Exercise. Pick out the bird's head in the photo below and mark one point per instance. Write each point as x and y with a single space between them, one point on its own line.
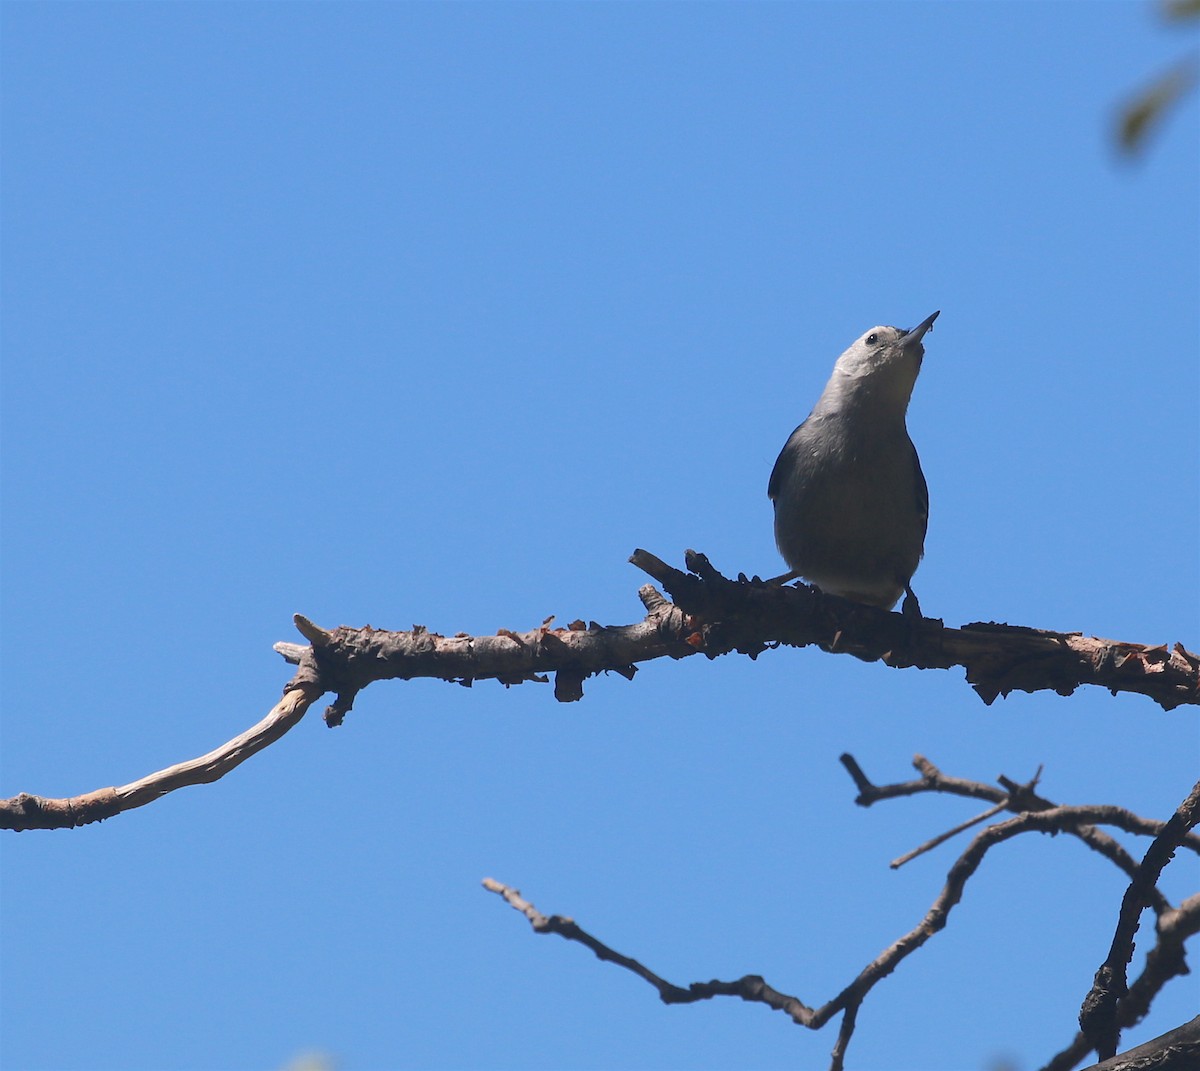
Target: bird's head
885 360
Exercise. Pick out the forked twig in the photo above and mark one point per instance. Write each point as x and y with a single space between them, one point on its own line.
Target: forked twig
1046 817
1098 1017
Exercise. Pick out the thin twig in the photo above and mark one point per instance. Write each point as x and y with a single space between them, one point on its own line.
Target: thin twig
26 811
941 838
1016 798
750 988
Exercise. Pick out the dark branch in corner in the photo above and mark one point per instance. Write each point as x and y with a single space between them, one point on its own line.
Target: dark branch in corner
1099 1016
1164 962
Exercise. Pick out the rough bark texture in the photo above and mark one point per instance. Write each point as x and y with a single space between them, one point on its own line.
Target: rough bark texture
1176 1050
711 615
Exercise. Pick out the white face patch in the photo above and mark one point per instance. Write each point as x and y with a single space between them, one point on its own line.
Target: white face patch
873 350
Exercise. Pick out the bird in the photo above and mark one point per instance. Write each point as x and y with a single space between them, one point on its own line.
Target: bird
851 502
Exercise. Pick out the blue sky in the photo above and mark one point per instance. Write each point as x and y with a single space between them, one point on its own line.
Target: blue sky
400 313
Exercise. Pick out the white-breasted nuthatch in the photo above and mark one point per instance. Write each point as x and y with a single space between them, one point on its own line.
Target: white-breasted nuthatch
851 503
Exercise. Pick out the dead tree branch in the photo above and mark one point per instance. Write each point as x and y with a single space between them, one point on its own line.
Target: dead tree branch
1176 1050
749 616
1098 1017
33 812
711 615
351 658
1165 960
751 987
1016 798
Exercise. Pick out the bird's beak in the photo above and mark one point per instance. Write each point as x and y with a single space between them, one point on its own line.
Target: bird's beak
915 335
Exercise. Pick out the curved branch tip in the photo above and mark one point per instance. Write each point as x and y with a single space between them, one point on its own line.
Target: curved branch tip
315 635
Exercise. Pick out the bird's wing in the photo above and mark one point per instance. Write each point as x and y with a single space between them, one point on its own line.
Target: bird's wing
776 473
922 489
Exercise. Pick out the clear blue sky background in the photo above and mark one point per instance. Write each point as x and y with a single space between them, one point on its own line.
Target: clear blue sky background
416 313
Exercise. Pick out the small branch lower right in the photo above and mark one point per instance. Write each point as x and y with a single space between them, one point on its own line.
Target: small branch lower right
1099 1017
1032 814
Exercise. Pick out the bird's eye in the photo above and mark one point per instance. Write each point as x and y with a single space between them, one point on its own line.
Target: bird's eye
872 338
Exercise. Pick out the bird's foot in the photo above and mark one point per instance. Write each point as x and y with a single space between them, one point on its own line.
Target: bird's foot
911 608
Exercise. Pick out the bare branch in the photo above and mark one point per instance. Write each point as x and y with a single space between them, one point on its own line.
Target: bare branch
712 615
849 1021
1176 1050
1018 798
941 838
1098 1016
349 659
1015 797
750 988
1164 961
750 615
33 812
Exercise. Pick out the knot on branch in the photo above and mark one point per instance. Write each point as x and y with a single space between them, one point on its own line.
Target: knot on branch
345 660
750 615
338 661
